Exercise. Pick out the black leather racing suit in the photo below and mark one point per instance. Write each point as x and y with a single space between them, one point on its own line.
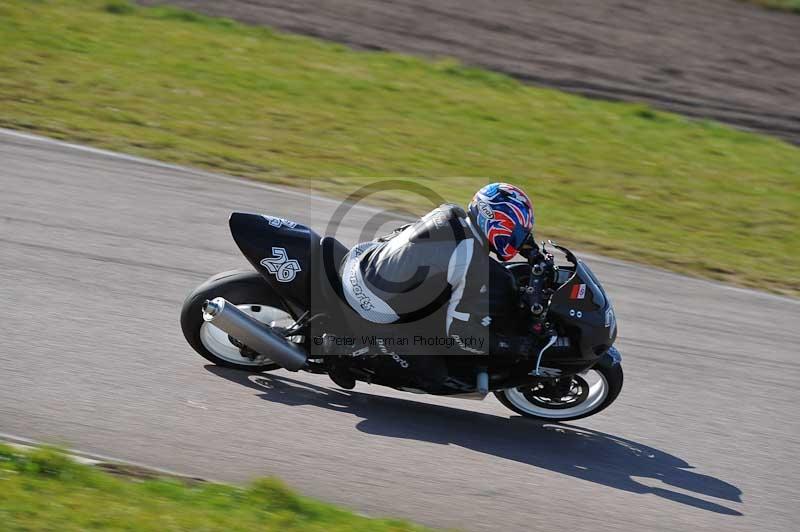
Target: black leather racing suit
435 288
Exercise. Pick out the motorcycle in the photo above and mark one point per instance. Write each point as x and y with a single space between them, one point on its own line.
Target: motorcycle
289 312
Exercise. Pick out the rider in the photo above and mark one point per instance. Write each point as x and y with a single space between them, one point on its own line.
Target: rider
434 285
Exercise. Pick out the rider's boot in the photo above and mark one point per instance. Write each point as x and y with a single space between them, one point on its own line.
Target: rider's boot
339 372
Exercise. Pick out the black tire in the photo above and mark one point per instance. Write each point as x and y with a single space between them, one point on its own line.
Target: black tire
237 286
614 377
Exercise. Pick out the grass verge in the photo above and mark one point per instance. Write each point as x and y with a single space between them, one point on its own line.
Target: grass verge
620 179
792 6
45 490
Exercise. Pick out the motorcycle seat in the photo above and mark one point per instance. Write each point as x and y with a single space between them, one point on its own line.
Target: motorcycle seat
332 253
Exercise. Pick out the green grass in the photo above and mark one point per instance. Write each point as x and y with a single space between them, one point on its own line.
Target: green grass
780 5
620 179
45 490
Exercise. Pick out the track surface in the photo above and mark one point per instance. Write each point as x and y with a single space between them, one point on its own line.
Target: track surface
97 253
721 59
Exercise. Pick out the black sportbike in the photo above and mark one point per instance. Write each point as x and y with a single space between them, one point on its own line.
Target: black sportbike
290 313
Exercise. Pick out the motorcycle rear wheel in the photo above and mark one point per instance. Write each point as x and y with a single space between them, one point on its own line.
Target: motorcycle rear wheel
249 292
589 393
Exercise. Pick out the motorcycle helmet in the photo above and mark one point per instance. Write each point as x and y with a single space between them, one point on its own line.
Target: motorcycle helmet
503 214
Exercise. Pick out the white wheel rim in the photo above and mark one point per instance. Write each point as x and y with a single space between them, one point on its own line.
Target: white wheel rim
598 391
216 340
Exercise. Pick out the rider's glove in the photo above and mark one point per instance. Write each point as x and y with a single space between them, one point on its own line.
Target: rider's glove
529 248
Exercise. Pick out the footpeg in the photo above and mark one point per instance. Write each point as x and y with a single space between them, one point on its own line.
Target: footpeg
482 383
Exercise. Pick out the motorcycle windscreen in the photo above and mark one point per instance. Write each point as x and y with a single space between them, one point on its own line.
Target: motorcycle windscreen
581 305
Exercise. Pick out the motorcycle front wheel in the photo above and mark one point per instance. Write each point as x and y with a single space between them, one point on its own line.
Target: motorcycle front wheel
586 394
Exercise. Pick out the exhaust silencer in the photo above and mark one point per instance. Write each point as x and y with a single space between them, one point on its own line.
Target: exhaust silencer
254 334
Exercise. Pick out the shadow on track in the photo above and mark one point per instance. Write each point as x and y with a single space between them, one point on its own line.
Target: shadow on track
567 449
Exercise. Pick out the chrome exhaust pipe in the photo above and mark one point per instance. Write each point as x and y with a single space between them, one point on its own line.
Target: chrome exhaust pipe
254 334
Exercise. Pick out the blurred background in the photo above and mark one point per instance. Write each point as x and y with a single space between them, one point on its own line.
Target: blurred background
659 138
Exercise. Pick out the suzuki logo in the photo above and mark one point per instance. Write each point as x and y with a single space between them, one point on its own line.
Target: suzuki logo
283 268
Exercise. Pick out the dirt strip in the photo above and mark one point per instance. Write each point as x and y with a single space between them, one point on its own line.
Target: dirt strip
721 59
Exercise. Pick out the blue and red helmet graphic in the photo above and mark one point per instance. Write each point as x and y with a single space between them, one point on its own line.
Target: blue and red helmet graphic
504 214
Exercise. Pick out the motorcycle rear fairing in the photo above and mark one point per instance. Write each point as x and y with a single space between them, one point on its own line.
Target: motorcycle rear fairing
271 243
282 251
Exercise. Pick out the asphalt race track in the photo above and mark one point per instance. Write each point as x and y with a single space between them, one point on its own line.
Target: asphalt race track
97 253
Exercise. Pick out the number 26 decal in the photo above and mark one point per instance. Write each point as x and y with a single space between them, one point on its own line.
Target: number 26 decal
283 268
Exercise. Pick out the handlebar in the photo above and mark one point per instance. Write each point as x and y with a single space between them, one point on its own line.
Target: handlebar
536 296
